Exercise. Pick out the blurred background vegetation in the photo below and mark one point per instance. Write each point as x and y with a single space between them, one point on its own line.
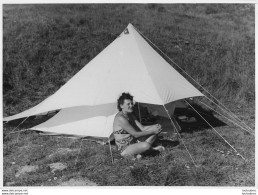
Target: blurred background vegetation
44 45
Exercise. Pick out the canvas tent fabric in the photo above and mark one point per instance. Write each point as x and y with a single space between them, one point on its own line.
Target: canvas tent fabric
128 64
92 121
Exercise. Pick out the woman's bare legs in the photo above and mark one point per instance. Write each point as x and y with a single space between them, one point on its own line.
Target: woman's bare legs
140 147
151 139
135 149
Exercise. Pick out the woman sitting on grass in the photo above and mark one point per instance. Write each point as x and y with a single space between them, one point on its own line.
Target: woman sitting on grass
125 130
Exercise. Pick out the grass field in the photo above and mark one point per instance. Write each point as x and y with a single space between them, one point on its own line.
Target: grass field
45 45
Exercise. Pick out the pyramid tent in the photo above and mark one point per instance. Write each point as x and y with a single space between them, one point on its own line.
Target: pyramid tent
88 100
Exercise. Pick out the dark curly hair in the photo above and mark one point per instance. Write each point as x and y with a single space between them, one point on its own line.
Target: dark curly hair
124 96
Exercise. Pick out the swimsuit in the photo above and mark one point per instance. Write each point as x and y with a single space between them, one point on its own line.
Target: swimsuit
123 139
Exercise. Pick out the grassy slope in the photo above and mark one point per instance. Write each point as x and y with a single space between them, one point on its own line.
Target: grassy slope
45 45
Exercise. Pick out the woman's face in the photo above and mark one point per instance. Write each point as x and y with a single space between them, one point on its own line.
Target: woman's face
127 106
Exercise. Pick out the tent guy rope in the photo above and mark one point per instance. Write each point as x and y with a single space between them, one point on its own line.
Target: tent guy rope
237 153
139 112
252 133
18 136
180 136
231 115
20 124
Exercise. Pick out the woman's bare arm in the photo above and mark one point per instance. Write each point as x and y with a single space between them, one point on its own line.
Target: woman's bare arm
147 128
128 127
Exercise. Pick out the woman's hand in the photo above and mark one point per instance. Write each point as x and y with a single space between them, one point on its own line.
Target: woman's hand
157 128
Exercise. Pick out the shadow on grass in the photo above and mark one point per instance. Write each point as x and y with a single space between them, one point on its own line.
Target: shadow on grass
167 143
197 123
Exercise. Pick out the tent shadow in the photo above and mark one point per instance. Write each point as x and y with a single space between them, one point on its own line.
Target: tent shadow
30 121
194 121
150 153
167 143
187 119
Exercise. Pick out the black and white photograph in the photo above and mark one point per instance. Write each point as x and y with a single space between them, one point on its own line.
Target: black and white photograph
128 94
